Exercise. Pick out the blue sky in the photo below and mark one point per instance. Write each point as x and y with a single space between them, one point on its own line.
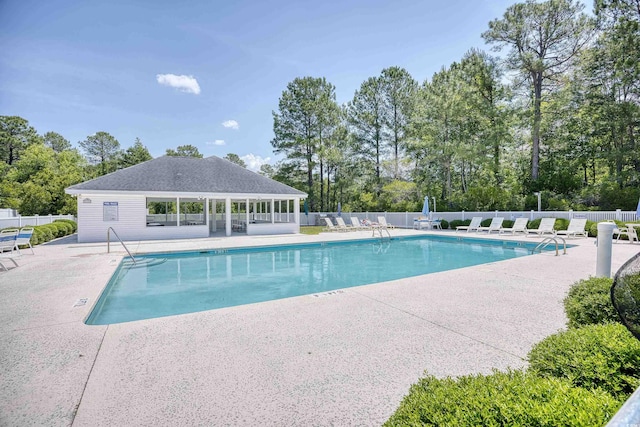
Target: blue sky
210 73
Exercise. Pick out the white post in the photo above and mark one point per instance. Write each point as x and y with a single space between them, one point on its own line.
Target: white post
296 213
178 211
605 241
273 215
247 216
227 216
618 215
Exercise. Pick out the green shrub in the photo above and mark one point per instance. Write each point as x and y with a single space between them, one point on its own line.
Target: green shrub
533 225
486 222
60 229
503 399
73 224
589 302
444 224
589 226
561 224
68 229
507 223
594 356
37 237
45 231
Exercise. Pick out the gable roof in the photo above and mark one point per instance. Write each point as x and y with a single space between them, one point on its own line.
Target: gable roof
186 175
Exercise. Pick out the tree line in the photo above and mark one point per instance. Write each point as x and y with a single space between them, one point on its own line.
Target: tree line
557 111
35 169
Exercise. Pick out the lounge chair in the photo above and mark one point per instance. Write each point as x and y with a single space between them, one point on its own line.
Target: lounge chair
24 239
355 223
421 222
628 231
519 226
496 225
7 243
382 221
475 224
576 227
545 227
330 226
342 225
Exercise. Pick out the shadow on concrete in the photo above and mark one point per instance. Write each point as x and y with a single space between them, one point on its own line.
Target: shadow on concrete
66 240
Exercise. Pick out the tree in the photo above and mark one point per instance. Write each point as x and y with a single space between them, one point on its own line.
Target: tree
305 117
135 154
399 94
15 136
184 151
103 150
267 170
234 158
56 142
544 40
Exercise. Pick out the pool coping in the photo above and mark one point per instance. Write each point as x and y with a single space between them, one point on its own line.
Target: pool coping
346 358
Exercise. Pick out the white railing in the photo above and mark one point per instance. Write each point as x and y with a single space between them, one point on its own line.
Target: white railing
405 219
21 221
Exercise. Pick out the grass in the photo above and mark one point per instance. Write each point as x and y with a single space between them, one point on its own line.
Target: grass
311 229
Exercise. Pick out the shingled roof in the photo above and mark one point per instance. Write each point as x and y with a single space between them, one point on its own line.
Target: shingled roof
186 175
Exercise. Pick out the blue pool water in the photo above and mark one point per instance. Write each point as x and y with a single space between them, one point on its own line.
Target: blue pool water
177 283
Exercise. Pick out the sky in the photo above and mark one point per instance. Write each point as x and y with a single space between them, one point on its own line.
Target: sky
210 73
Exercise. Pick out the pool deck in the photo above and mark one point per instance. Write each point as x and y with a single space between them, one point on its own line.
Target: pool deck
341 358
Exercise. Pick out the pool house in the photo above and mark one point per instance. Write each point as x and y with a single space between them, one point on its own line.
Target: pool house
182 198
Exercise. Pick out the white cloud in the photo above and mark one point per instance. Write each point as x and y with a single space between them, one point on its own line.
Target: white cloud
184 83
254 162
231 124
217 142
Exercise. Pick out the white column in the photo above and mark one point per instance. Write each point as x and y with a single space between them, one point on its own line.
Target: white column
273 216
206 211
214 207
296 213
603 256
247 216
288 201
178 211
227 216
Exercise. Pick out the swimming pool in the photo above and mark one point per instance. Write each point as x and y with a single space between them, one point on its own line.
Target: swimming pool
176 283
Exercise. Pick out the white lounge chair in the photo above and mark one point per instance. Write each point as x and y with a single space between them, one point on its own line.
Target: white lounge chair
496 225
342 225
628 231
24 239
519 226
473 226
7 243
382 222
355 223
330 226
576 227
545 227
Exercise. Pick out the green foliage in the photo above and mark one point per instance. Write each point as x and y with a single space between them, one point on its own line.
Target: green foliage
73 224
458 222
56 142
399 196
502 399
234 158
135 154
593 356
589 302
444 224
184 151
103 150
15 136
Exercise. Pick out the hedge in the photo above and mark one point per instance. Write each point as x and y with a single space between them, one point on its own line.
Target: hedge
513 398
589 302
46 232
594 356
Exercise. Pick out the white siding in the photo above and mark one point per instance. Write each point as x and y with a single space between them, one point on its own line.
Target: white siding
277 228
131 223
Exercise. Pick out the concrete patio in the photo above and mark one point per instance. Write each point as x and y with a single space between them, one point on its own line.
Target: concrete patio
341 358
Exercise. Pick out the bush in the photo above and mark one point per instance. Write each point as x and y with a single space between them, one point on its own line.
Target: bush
533 225
55 230
594 356
37 237
561 224
45 231
68 229
503 399
486 222
444 224
589 302
73 224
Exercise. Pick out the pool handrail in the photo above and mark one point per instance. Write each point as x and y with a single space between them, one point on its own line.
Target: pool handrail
109 230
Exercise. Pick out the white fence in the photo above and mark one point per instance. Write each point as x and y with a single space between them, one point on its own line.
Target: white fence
21 221
405 219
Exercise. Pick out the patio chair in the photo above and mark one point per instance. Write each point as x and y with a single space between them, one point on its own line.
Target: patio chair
628 231
7 243
382 221
519 226
355 223
340 224
330 226
473 226
24 239
496 225
576 227
545 227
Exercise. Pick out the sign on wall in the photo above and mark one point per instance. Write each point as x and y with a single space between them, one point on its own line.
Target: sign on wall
109 211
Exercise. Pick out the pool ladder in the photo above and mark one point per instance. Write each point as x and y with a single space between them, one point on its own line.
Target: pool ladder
546 242
379 230
109 230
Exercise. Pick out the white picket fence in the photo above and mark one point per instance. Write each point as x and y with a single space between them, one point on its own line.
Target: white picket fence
405 219
21 221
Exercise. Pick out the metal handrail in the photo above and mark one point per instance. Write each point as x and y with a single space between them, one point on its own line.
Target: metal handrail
548 240
109 230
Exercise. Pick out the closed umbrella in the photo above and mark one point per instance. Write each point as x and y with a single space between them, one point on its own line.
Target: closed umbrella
339 209
638 210
425 207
